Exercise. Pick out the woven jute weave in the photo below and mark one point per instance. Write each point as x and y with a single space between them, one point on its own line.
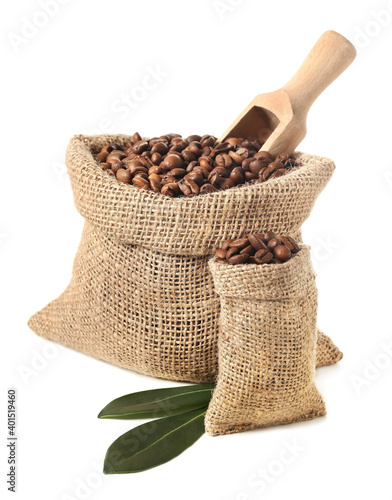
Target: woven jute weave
267 346
141 294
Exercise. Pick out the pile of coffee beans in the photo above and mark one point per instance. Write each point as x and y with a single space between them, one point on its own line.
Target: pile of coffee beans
258 248
174 166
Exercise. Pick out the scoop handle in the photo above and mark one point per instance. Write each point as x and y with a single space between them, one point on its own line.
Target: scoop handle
329 57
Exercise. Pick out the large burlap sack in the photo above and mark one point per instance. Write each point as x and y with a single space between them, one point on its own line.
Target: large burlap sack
267 346
141 295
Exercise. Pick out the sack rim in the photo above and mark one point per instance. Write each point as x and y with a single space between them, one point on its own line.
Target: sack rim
172 225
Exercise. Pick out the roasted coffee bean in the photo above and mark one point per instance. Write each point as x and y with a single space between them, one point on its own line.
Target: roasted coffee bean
224 160
123 175
221 254
276 261
236 157
195 176
177 172
184 188
263 256
192 185
256 242
268 235
171 189
160 148
110 172
168 179
235 141
223 147
107 149
256 165
282 253
156 158
244 153
282 158
232 251
105 166
154 176
139 147
135 163
237 175
191 166
141 182
118 154
208 151
188 155
115 145
195 147
156 169
146 161
178 146
156 140
101 157
193 138
215 179
290 243
269 171
226 184
246 144
249 176
206 162
207 188
115 164
173 161
204 171
142 175
226 244
249 250
241 258
207 140
130 157
174 152
137 170
264 154
239 243
273 242
156 185
136 137
221 171
245 164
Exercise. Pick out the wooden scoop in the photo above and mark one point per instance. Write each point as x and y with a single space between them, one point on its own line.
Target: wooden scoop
279 118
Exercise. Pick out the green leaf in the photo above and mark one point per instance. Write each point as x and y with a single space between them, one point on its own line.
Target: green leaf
159 402
154 443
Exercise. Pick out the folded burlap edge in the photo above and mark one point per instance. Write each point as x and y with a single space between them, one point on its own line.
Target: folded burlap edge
279 281
173 225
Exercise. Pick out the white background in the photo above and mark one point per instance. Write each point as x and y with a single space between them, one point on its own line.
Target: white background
69 77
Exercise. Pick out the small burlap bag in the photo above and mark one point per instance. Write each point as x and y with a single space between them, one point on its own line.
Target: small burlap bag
267 346
141 295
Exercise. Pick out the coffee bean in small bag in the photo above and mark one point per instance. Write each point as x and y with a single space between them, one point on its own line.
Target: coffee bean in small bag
266 345
257 248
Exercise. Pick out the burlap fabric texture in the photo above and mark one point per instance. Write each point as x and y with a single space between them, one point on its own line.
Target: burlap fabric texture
141 294
267 346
